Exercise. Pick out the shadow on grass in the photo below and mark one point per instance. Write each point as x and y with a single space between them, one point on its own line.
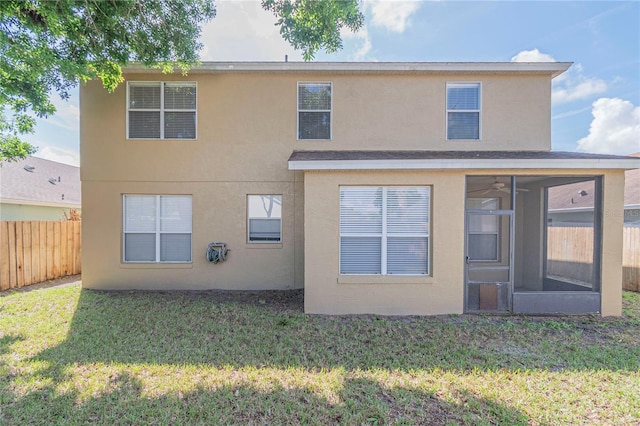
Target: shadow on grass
115 340
176 328
359 402
6 341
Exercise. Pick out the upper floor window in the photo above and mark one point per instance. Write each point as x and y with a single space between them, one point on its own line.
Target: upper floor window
161 110
463 111
314 110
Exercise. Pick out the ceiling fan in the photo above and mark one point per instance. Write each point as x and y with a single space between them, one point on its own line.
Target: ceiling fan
497 186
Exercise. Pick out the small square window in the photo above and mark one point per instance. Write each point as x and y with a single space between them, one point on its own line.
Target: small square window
264 218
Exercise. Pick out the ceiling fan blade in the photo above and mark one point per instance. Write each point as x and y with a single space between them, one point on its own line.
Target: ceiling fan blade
522 190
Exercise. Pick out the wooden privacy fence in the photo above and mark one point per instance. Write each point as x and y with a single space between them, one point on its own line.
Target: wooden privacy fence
631 259
570 254
32 252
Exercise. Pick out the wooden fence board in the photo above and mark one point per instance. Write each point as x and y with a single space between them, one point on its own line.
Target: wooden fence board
19 255
63 251
631 259
56 249
50 253
43 251
35 251
26 249
77 241
4 256
69 254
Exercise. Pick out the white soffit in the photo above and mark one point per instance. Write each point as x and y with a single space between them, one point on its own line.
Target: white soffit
439 164
552 68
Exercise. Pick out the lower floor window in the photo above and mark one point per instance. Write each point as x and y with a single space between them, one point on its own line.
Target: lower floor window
384 230
157 228
264 214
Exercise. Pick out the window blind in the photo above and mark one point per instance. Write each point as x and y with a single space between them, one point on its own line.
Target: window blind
161 110
264 214
314 110
157 228
384 230
463 111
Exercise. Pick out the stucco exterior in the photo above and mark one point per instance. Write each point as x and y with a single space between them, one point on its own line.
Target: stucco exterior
246 130
442 291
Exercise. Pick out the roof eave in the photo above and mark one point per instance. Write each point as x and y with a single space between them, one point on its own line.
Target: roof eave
453 164
550 68
40 203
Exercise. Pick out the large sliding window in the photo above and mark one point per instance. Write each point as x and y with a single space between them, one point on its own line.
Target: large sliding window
161 110
384 230
157 228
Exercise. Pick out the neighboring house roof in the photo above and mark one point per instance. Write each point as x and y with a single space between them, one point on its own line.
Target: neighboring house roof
632 186
40 182
549 68
579 196
372 160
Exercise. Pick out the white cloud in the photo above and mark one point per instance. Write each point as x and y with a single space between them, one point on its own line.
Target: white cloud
243 31
615 128
532 56
570 86
60 155
391 14
67 114
576 86
362 50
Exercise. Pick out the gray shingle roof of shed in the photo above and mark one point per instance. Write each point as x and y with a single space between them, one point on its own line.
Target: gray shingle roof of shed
18 183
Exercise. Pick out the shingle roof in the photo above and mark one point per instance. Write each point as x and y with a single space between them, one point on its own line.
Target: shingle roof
568 196
39 181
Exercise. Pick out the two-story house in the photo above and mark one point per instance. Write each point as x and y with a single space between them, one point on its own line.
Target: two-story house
390 188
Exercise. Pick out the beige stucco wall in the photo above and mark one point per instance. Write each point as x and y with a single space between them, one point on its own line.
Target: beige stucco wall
219 214
327 292
249 119
246 132
612 234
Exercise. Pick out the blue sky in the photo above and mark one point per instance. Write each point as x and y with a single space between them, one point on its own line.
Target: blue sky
596 104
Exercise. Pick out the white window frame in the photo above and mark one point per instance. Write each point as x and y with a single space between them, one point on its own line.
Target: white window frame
162 109
157 231
249 217
497 233
298 110
479 110
384 234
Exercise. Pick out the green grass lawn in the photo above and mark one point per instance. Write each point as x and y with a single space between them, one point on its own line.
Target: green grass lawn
69 356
